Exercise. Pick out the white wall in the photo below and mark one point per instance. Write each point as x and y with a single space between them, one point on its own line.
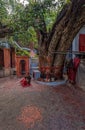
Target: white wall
75 43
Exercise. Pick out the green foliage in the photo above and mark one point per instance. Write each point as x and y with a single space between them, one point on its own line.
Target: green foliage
67 1
27 20
3 12
22 53
6 7
38 15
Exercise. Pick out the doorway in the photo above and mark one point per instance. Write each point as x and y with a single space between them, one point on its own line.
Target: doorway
22 67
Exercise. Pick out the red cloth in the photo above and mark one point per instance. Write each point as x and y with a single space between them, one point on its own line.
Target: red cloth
24 83
72 71
76 63
71 75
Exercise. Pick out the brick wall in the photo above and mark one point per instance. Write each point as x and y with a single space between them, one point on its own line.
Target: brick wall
6 58
6 61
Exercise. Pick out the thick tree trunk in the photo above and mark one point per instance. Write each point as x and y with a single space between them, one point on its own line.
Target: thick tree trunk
69 32
69 22
42 38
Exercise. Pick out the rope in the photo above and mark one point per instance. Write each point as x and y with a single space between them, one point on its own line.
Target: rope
54 67
70 52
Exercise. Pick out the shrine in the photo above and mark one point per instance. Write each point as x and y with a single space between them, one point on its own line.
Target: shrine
22 65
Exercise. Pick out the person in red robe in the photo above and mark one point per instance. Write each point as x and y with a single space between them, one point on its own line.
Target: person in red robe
26 81
72 70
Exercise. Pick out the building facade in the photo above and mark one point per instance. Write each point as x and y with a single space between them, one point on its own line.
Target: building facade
79 46
79 41
7 59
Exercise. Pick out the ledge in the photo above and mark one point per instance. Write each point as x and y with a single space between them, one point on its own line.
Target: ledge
55 83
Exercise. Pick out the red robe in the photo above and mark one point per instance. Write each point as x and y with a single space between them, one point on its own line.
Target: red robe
72 71
24 83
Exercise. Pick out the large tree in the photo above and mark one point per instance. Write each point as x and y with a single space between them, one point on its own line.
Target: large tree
66 26
58 37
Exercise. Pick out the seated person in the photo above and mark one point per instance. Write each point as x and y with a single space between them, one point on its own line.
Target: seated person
24 82
28 78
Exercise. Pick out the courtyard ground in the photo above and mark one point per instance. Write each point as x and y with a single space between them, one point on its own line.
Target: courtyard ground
40 107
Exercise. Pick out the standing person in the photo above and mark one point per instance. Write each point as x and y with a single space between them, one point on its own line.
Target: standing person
76 65
72 69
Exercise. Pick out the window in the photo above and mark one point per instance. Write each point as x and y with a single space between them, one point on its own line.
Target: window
82 42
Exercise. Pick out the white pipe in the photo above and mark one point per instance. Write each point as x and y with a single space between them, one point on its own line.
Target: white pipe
23 48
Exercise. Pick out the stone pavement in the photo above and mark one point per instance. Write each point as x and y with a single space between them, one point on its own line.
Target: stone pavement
40 107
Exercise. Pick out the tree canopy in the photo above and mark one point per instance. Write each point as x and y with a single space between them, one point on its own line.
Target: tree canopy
52 24
26 20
